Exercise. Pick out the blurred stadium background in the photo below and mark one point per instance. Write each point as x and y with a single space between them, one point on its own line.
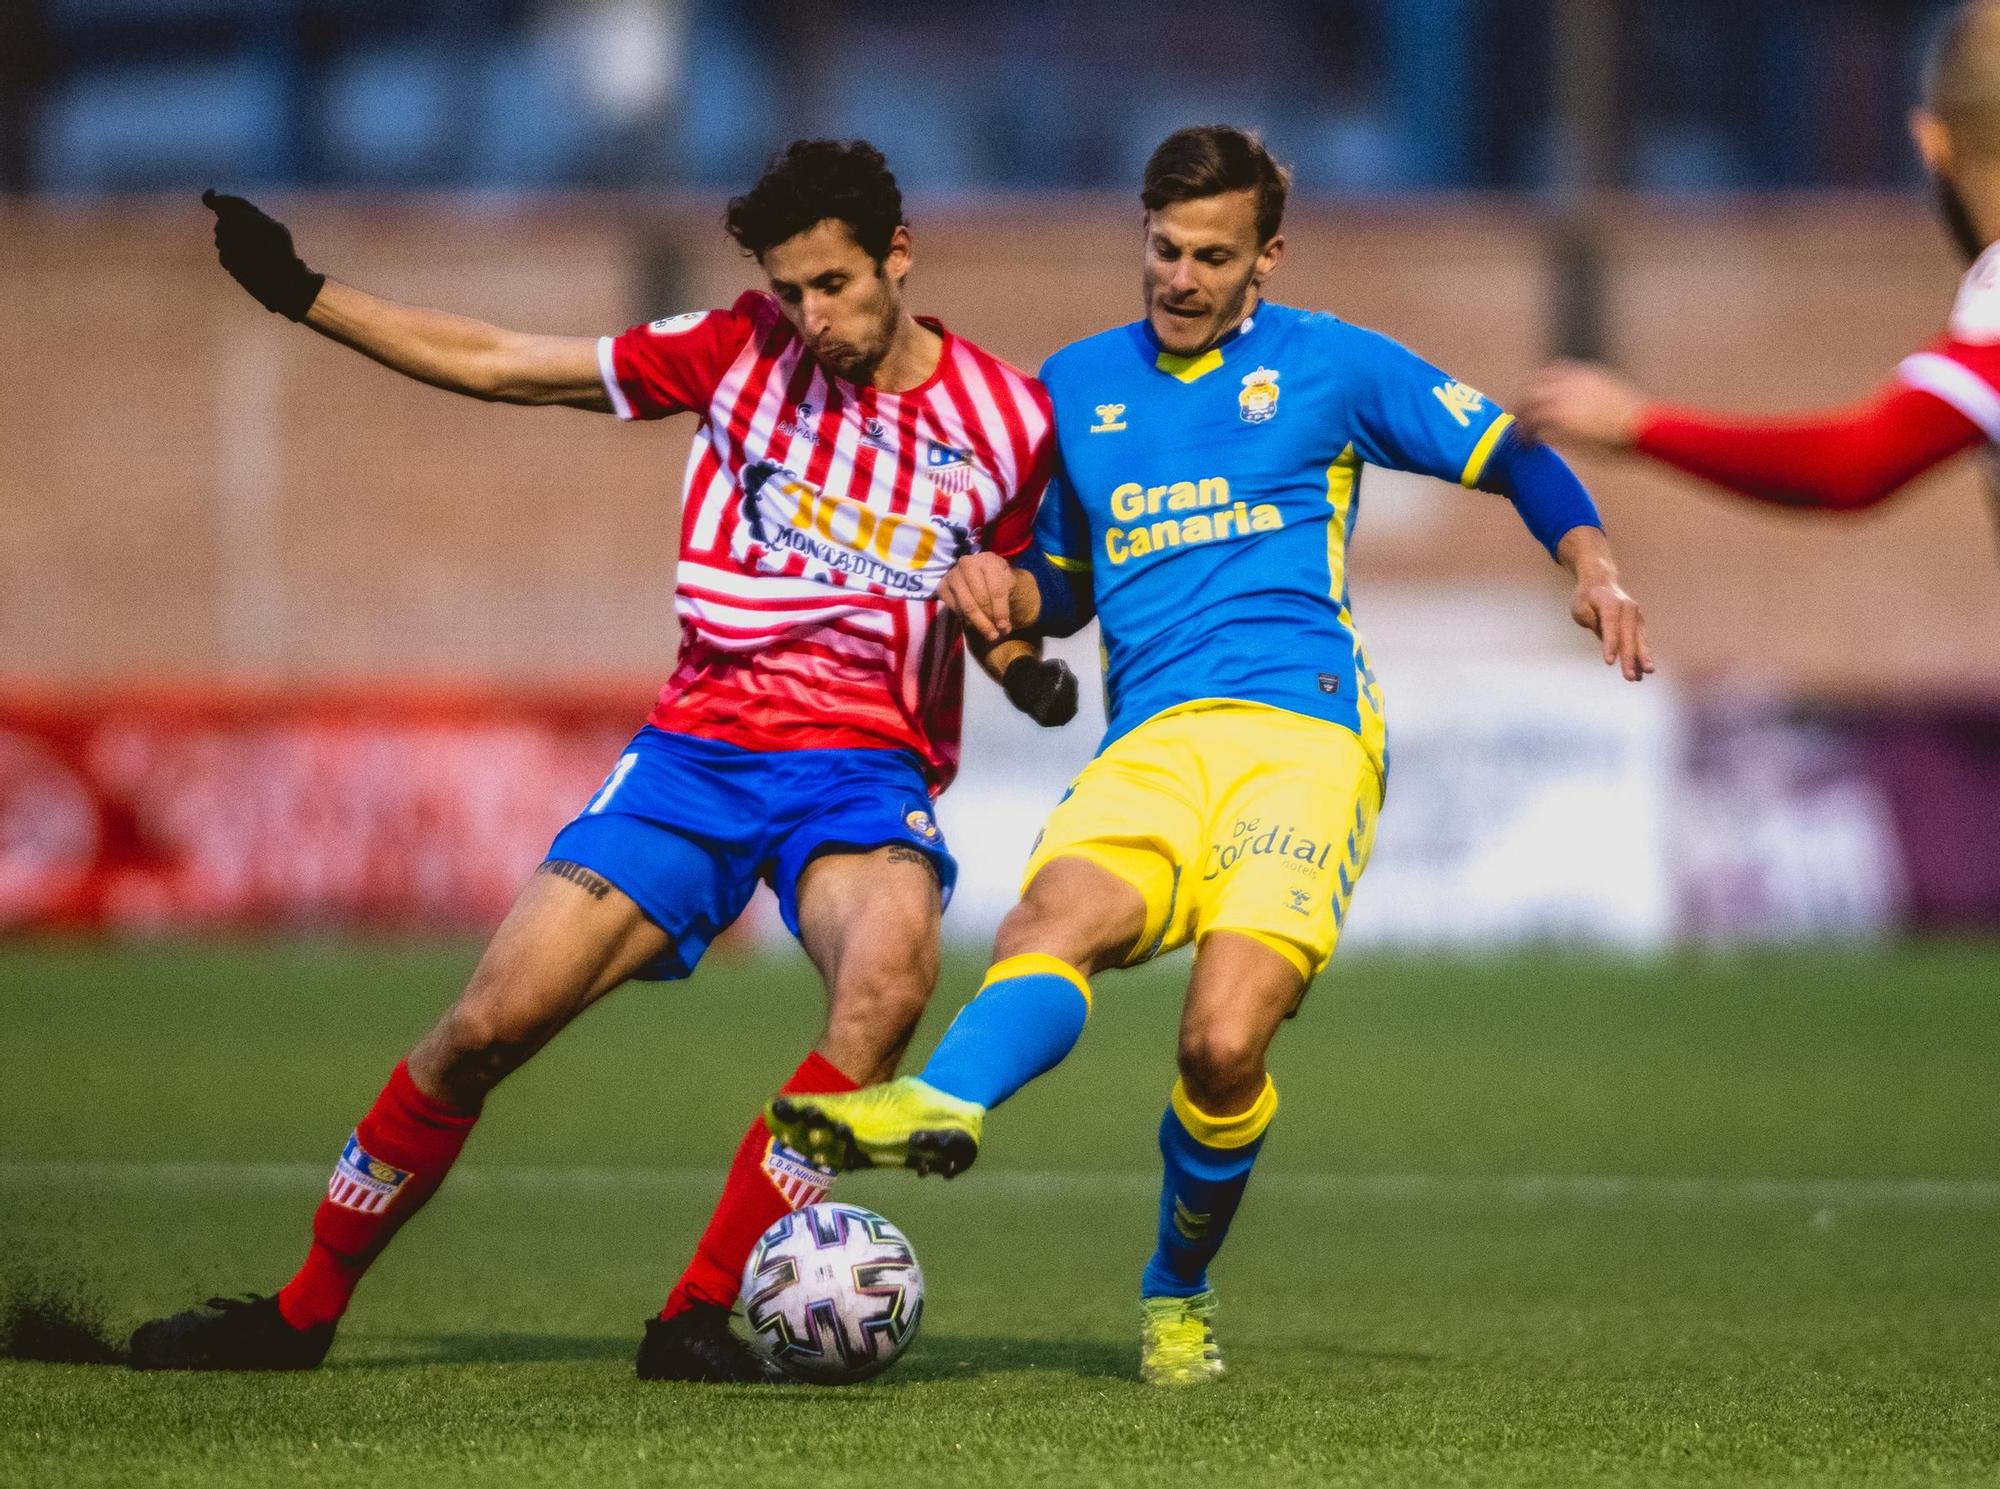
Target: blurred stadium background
288 642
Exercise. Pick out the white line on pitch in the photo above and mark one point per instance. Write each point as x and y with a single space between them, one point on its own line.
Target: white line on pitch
1556 1190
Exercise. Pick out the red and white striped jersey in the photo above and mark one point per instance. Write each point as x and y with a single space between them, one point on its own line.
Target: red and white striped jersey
818 519
1962 367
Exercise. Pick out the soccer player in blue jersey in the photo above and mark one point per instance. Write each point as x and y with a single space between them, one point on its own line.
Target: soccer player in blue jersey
1211 458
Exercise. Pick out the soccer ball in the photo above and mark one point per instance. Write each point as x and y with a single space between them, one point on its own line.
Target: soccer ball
832 1293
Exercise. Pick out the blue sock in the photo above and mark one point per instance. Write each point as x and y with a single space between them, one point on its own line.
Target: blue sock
1208 1161
1027 1016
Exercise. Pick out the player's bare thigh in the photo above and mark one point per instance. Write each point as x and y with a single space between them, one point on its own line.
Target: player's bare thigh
869 921
1078 912
570 938
1239 995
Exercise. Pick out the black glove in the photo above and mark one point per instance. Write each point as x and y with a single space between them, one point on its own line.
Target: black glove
1042 688
257 252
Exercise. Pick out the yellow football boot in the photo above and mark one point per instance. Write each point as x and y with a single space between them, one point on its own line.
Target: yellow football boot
1177 1341
901 1122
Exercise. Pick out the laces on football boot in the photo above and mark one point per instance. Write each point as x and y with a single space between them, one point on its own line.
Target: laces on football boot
1177 1341
903 1123
229 1334
697 1344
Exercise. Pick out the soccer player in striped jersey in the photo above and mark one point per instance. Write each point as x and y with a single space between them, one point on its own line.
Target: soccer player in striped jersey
849 454
1211 458
1943 400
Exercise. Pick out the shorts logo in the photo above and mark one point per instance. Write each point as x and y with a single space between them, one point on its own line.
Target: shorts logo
678 325
1251 839
1329 683
1299 902
1258 402
795 1176
1110 418
919 822
363 1182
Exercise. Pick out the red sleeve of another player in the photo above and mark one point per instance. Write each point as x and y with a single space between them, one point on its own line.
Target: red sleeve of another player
1839 461
671 365
1009 533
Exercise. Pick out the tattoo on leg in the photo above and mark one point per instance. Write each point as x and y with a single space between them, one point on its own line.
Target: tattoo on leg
899 854
595 885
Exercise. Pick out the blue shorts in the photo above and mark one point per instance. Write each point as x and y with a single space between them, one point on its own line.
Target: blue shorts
687 827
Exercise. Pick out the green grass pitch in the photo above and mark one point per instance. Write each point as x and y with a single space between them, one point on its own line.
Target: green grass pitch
1537 1221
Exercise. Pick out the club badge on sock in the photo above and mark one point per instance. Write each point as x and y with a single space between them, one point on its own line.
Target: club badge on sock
363 1182
795 1176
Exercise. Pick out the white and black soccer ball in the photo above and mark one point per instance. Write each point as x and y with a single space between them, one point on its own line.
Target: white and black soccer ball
833 1294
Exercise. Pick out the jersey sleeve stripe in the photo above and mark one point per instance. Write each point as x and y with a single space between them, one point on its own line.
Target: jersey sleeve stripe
1066 564
607 369
1475 467
1956 384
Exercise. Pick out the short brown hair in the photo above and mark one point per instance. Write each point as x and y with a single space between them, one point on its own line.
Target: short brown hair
1209 159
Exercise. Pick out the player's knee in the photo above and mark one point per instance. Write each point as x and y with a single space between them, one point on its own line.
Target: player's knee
475 1046
872 1015
1052 928
1221 1062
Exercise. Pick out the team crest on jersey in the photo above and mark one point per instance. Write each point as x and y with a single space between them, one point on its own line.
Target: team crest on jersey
949 470
844 542
919 822
677 325
1258 402
1110 418
363 1182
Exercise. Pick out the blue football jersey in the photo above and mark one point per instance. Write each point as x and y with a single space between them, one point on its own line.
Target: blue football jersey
1212 499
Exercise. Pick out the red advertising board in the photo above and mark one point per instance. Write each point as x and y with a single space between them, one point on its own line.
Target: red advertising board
390 809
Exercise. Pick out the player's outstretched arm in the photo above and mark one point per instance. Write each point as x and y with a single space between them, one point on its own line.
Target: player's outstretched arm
447 351
1841 460
1600 604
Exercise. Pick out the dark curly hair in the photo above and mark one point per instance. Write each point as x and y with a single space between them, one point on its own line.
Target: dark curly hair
810 181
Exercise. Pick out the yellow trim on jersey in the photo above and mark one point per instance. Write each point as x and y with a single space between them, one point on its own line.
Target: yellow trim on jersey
1035 964
1066 564
1189 369
1341 477
1483 451
1238 1131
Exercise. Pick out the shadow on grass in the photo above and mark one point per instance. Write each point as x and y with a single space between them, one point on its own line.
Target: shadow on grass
937 1357
966 1356
400 1353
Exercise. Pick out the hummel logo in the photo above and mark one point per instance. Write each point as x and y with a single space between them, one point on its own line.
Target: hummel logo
1299 901
1110 418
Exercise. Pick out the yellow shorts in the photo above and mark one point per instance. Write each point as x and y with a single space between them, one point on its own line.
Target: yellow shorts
1227 816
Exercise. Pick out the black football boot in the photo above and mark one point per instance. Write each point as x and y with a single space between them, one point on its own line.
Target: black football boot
698 1344
229 1334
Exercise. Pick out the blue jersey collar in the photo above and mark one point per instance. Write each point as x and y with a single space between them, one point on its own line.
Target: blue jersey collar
1190 369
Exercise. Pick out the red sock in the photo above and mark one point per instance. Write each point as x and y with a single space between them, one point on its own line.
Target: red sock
766 1182
394 1161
